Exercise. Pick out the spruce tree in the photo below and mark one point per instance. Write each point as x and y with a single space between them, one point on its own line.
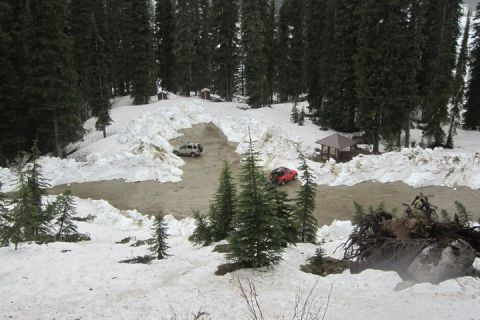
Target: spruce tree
283 53
471 117
301 117
294 115
51 89
164 36
139 41
284 211
256 238
305 205
159 246
225 58
64 210
203 232
459 85
12 112
223 206
339 35
253 27
438 61
184 45
201 67
313 46
271 49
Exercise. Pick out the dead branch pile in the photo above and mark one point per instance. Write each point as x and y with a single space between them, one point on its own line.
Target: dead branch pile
381 242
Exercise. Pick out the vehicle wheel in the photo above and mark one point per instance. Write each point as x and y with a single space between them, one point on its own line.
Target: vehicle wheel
282 183
175 153
295 177
193 154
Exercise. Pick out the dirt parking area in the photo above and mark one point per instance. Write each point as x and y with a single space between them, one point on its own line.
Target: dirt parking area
200 181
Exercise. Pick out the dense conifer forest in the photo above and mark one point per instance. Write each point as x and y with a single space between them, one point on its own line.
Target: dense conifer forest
375 67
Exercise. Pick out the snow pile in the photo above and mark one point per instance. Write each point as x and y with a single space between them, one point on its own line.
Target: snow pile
84 280
139 151
416 167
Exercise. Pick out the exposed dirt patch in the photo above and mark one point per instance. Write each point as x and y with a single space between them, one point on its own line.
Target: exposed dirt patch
200 180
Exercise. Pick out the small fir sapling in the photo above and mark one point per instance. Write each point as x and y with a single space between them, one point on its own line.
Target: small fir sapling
301 117
294 116
202 234
159 246
64 210
305 205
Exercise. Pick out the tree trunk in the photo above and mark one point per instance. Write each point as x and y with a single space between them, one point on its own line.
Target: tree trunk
407 133
376 143
58 148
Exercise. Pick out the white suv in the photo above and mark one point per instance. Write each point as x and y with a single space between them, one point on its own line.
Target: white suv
192 149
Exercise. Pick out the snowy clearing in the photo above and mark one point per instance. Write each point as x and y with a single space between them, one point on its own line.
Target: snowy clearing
85 280
137 148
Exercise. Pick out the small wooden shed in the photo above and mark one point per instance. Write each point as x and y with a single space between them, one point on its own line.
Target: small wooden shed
205 94
337 142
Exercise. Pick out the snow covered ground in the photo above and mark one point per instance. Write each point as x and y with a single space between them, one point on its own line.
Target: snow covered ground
137 148
85 280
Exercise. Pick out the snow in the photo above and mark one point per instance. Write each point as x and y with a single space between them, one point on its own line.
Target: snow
137 148
84 280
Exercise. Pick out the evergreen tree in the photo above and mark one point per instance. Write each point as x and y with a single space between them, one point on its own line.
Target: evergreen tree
12 112
184 45
284 211
165 30
385 70
140 52
313 46
51 82
253 26
225 58
305 205
201 67
459 85
64 210
292 43
294 115
222 209
159 246
301 117
471 117
256 238
270 49
438 61
338 70
203 232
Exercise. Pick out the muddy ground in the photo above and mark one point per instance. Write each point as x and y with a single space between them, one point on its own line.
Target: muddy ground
201 176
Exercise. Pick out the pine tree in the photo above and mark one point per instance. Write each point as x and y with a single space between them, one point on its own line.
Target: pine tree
64 210
12 112
471 117
253 27
159 246
203 231
256 238
284 211
165 30
139 41
294 115
184 45
313 46
301 117
459 85
222 209
4 238
51 83
384 70
340 32
201 67
271 50
283 53
305 205
225 58
438 61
